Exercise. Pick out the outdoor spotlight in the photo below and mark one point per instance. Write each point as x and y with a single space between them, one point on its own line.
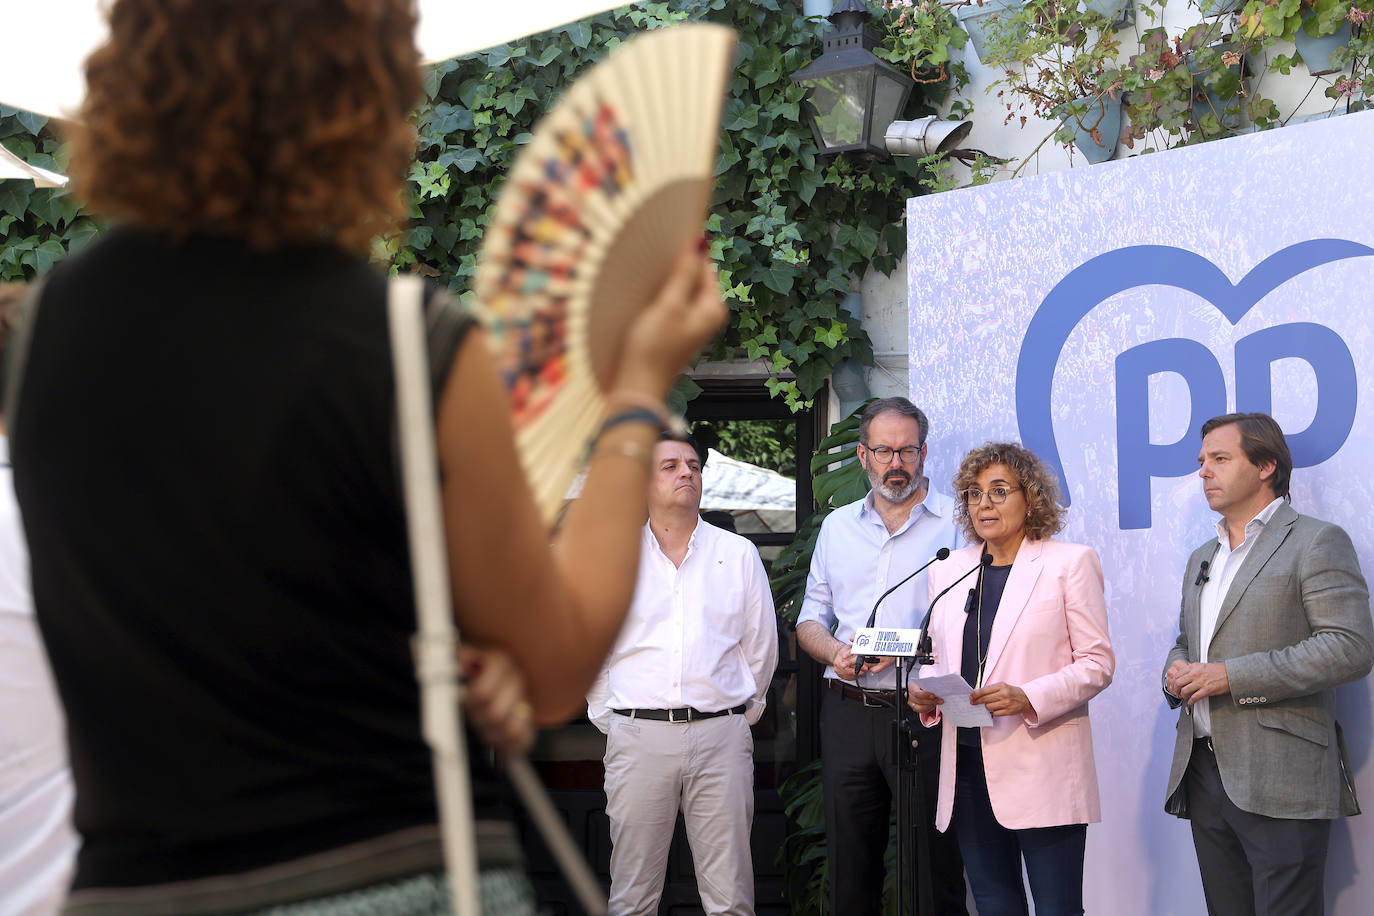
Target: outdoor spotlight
925 136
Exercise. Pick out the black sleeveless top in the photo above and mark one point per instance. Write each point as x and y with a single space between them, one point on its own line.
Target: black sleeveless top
204 457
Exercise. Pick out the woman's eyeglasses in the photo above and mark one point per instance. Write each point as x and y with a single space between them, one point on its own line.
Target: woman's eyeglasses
998 495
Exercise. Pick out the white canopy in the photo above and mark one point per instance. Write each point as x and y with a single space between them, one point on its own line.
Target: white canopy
732 485
41 69
11 166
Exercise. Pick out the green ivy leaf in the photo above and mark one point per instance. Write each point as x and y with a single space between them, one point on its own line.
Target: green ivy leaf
579 33
831 337
46 255
14 197
811 375
32 122
683 390
464 160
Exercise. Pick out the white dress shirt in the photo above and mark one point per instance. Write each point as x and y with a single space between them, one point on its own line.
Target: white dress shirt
37 841
856 560
702 634
1220 574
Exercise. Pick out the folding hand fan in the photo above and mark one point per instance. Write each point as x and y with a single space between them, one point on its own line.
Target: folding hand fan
615 181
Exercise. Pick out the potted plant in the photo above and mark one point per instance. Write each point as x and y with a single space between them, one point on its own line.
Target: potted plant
1213 8
1218 92
1094 123
1357 89
1318 28
919 35
978 18
1118 13
1192 87
1059 64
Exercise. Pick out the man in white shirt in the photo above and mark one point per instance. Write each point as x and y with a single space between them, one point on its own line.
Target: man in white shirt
864 549
1275 615
687 677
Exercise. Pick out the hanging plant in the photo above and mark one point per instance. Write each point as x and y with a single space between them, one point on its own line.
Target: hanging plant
1059 64
919 35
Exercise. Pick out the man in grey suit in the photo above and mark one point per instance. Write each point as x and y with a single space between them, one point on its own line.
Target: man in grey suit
1275 615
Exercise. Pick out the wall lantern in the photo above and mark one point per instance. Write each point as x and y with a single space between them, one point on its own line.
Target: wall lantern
853 98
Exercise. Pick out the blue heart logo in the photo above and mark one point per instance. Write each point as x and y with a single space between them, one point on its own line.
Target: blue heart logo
1096 280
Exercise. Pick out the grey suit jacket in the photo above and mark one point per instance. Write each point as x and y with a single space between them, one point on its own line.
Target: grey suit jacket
1294 625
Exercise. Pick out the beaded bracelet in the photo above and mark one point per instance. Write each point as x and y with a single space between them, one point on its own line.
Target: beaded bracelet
667 422
633 415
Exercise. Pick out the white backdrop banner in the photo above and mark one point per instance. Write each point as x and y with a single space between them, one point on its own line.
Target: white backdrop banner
1100 315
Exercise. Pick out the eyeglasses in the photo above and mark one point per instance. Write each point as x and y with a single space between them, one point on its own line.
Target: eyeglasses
884 453
998 495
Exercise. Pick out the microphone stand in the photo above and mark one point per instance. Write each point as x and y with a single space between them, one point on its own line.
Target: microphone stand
904 759
909 763
911 805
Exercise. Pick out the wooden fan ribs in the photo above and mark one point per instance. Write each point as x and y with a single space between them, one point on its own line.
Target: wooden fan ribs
615 181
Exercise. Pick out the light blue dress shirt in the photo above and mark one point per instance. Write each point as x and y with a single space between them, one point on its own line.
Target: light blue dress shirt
856 560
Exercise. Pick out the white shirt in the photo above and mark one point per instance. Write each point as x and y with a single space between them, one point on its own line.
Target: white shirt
702 634
856 560
1220 574
37 841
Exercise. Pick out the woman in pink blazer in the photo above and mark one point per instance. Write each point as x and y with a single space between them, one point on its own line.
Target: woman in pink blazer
1030 635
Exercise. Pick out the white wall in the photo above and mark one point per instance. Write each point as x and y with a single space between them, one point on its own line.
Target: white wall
885 298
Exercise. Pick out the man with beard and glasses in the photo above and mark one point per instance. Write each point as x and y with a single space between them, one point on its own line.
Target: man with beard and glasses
864 549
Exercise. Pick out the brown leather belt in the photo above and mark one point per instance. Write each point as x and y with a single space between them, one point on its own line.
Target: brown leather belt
870 698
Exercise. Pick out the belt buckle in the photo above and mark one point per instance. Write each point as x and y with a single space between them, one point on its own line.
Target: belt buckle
871 702
685 718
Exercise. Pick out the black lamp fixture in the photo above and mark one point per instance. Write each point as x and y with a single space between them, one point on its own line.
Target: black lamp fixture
853 98
852 95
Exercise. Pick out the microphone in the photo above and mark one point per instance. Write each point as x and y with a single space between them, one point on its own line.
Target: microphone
1202 573
924 654
861 661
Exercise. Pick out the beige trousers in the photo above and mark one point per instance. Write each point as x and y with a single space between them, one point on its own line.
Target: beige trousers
704 768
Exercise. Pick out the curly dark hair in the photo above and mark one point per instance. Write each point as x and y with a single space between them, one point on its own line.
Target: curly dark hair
273 120
1044 515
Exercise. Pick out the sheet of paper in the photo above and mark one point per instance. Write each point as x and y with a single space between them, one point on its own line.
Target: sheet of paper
956 709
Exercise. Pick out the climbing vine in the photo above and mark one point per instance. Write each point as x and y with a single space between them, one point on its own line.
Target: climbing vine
790 229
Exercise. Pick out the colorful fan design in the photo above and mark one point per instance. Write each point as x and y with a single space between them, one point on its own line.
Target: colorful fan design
615 181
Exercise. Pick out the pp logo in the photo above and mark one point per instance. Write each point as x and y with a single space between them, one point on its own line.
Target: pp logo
1138 460
862 642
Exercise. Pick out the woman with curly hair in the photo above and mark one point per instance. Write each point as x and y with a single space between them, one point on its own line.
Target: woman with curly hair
204 456
1031 638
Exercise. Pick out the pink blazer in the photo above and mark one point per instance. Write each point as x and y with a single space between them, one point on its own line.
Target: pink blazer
1050 639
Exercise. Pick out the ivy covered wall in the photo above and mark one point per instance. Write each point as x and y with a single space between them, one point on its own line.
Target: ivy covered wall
38 226
790 230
